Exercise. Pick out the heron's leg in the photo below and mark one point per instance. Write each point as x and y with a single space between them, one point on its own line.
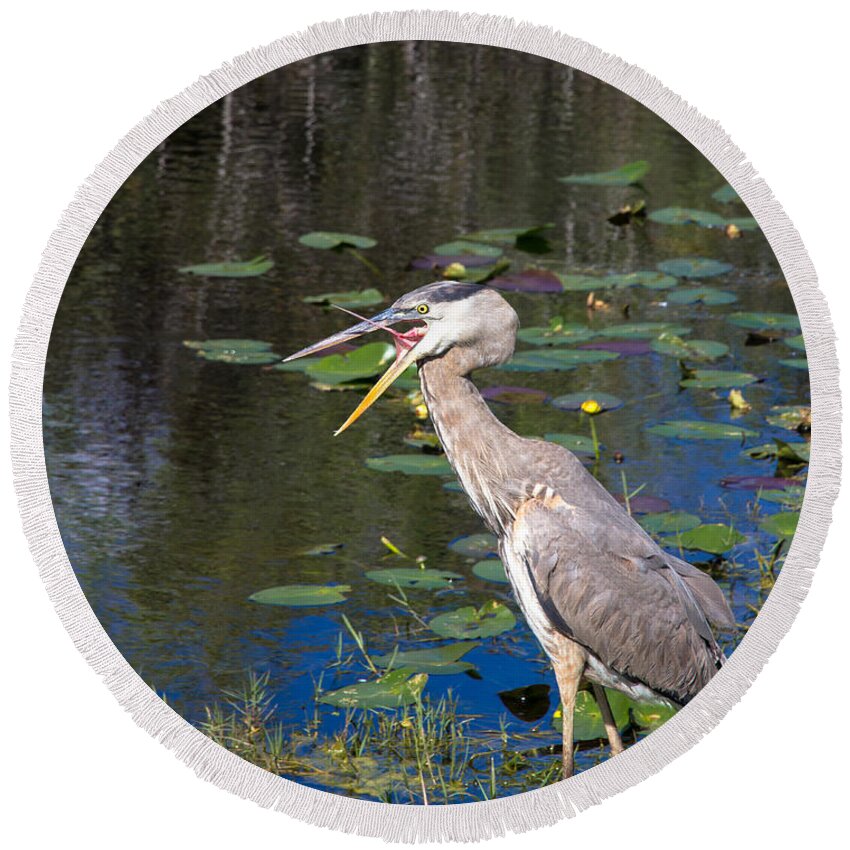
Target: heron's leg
568 662
611 730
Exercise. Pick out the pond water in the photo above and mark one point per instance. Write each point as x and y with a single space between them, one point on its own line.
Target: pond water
182 486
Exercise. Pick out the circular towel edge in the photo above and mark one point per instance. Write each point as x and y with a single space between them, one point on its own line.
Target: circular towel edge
397 822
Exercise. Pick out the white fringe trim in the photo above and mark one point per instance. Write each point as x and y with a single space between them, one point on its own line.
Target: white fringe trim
469 821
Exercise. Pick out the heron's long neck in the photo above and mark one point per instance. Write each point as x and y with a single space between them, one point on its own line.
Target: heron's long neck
481 450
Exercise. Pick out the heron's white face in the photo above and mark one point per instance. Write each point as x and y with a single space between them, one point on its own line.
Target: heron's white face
441 315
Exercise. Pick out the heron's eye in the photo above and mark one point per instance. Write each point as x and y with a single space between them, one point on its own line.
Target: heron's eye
422 308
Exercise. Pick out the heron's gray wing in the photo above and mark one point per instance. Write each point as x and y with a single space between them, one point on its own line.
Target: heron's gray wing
628 607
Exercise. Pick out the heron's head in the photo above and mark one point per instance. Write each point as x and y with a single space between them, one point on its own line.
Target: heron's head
439 317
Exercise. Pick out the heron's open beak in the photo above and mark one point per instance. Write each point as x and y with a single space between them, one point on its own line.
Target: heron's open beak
404 344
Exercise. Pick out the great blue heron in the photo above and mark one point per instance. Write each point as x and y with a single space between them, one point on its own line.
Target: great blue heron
605 601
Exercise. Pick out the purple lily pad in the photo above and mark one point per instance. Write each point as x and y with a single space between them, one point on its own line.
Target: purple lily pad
530 280
440 261
514 395
645 504
757 482
626 347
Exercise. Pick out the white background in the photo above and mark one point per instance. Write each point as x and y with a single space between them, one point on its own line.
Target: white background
76 77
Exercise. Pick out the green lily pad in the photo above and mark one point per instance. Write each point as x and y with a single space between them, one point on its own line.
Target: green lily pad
795 342
353 298
491 619
689 349
475 545
697 429
643 330
414 577
461 248
580 282
301 595
480 274
694 267
726 195
509 235
792 452
625 175
249 352
330 240
559 332
393 690
792 418
683 215
577 443
790 497
491 569
649 280
363 362
436 660
650 716
587 718
712 379
760 321
411 464
248 268
555 360
715 538
781 525
574 401
320 550
668 522
795 363
700 295
746 222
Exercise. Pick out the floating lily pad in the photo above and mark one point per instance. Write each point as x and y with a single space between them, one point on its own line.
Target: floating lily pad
329 240
643 330
462 248
587 718
650 716
712 379
302 595
392 690
411 464
683 215
436 660
756 482
694 267
491 569
696 429
363 362
689 349
574 401
700 295
478 274
795 363
759 321
790 496
726 195
353 299
475 545
782 524
555 360
580 282
414 577
529 704
559 332
623 347
669 522
246 352
320 550
577 443
795 342
514 395
744 223
714 538
528 280
248 268
491 619
625 175
643 503
649 280
791 418
789 452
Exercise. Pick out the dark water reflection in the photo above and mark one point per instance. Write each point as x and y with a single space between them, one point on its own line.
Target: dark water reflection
181 486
